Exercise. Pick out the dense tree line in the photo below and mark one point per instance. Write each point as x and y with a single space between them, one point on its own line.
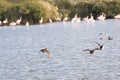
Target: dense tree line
29 10
33 10
85 7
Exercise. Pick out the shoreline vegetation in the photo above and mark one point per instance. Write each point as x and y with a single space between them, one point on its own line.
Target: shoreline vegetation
13 12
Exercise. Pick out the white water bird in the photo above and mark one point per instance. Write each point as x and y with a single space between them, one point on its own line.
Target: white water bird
41 20
102 17
5 21
91 19
27 23
18 21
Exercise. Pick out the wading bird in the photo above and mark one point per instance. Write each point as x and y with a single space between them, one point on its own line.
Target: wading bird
18 21
5 21
41 20
27 23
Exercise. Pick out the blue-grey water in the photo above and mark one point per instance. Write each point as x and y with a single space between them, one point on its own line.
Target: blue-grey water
20 58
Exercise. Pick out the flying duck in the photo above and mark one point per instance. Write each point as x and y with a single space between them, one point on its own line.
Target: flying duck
100 46
91 50
45 51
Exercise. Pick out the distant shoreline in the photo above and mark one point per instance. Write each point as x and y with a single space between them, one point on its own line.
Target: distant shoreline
52 22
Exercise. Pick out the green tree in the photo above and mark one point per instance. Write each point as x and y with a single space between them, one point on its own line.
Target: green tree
113 8
4 7
99 7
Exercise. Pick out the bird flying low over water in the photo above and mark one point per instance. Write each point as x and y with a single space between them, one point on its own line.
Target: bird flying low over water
91 50
100 46
46 51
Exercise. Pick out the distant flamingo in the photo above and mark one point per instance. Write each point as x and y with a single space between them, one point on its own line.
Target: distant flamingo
0 22
50 20
12 24
27 23
18 21
76 19
5 21
86 19
41 20
117 16
102 17
65 19
58 19
91 19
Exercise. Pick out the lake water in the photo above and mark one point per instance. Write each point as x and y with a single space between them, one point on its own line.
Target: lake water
20 58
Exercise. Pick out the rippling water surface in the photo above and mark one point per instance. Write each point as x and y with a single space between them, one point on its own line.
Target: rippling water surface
20 60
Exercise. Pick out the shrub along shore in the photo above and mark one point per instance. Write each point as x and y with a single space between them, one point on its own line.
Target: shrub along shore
33 10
